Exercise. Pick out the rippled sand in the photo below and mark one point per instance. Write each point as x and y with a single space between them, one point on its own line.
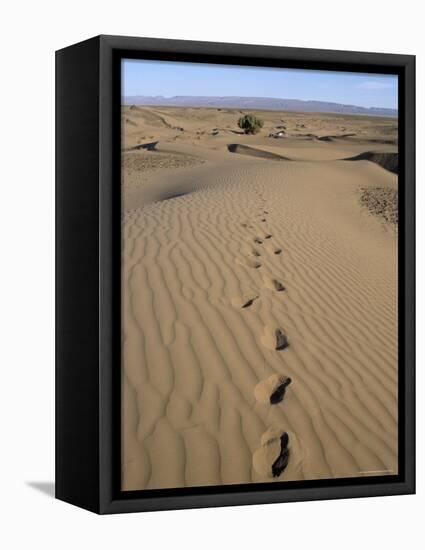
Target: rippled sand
241 271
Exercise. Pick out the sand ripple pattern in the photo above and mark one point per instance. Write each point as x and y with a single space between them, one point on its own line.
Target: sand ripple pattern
207 278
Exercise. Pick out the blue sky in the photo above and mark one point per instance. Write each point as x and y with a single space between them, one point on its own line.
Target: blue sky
152 78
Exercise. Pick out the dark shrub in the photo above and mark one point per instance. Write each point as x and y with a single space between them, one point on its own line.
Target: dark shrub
250 124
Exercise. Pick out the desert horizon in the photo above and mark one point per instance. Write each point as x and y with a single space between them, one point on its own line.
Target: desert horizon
259 104
259 296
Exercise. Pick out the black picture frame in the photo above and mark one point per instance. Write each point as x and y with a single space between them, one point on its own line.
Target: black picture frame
88 273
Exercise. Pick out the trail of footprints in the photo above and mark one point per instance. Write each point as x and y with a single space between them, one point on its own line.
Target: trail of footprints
272 457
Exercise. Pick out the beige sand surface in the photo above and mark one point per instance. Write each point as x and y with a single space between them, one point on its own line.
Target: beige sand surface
241 271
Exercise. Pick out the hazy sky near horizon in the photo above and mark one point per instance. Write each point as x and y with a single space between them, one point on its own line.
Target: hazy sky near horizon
170 78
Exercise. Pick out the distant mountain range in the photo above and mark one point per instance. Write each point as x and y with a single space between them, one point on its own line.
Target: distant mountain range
271 103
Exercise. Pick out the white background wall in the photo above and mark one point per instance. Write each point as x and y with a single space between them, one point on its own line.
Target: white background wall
29 33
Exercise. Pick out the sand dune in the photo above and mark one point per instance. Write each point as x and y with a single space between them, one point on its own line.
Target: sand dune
389 161
333 138
259 303
254 152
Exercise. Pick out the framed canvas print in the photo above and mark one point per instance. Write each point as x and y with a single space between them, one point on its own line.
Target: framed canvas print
235 274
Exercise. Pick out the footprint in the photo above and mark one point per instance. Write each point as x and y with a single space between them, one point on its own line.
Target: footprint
272 457
273 284
248 262
255 253
257 240
281 461
274 339
244 301
249 302
278 285
268 236
279 390
272 390
278 251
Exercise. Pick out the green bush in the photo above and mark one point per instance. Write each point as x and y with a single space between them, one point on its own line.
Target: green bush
250 124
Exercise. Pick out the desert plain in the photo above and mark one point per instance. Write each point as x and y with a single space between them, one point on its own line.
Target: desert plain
259 297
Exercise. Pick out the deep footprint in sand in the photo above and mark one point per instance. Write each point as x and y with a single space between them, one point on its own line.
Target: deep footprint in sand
273 284
278 285
277 251
248 262
281 461
257 240
272 390
274 338
272 457
268 236
244 301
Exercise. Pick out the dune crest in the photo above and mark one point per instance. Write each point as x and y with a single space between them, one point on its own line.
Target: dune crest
254 152
389 161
